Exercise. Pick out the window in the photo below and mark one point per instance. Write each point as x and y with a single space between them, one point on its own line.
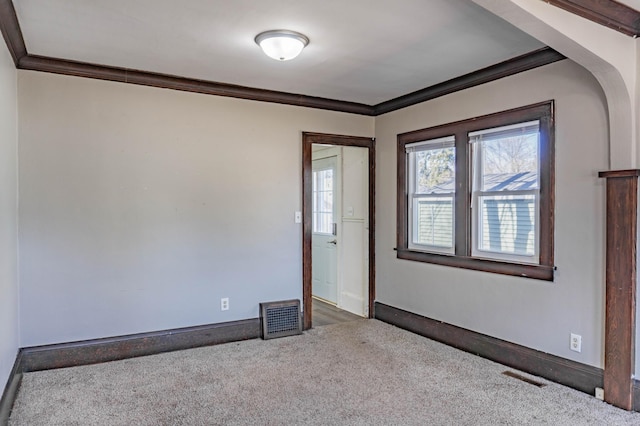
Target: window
505 192
431 194
478 193
323 196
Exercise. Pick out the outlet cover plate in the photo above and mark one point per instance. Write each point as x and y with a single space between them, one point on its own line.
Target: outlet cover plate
576 343
600 394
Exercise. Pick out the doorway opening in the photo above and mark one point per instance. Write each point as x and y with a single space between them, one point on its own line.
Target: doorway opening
338 182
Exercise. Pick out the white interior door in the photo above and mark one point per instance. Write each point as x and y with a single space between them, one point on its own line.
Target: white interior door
324 251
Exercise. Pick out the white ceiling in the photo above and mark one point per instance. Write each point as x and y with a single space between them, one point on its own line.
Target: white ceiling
366 51
634 4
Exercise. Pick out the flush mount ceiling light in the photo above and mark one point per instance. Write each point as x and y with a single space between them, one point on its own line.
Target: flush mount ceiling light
281 45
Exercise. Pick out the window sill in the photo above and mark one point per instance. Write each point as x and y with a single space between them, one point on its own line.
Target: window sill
538 272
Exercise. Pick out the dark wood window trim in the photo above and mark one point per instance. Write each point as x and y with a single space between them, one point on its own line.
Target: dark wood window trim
462 259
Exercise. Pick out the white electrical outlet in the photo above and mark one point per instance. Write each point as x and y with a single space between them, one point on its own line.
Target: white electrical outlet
297 217
224 304
576 342
600 394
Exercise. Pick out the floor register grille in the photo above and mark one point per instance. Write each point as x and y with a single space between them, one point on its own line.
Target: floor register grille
280 319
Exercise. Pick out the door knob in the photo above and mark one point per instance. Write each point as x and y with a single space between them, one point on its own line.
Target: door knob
333 242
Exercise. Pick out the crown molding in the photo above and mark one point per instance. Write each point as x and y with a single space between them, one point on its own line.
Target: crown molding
145 78
12 34
528 61
513 66
609 13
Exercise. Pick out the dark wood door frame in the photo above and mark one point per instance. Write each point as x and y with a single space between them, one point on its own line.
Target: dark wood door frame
308 139
620 297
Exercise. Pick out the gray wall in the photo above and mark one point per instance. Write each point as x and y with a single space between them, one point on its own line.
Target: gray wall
532 313
140 207
8 215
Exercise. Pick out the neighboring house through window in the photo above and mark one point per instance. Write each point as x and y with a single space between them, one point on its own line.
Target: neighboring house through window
478 193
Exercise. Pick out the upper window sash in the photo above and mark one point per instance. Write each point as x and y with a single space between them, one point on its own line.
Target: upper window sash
412 171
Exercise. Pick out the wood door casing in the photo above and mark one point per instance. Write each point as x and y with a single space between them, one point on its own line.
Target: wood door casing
308 139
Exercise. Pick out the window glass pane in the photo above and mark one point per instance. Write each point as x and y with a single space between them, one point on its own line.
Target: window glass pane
507 224
508 157
322 222
435 171
434 222
432 187
323 201
327 179
326 201
505 186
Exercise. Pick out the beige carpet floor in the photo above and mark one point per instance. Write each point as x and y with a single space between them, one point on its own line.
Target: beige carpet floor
358 373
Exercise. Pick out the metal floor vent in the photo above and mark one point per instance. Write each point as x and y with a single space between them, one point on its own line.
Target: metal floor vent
280 319
524 379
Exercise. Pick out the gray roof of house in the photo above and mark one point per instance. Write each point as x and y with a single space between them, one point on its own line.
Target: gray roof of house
493 182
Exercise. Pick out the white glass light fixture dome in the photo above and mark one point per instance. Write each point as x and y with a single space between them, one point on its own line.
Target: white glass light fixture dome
281 45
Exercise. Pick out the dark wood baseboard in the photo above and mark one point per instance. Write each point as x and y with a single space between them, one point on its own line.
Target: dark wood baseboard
11 390
115 348
95 351
579 376
569 373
